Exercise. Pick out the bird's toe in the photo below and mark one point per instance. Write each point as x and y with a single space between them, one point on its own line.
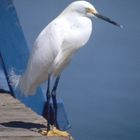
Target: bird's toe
55 132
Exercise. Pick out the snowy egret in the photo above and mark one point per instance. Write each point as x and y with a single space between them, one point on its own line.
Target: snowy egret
54 48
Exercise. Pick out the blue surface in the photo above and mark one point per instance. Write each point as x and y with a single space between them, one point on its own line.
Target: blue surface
14 50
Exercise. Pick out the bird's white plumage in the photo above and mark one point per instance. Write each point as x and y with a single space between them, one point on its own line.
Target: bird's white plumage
56 44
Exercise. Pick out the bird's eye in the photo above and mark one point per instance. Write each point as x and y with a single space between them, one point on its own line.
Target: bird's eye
89 10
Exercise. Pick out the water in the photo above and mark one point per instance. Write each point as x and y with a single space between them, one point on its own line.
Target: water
101 87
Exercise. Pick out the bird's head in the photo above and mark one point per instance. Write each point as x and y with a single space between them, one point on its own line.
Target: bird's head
85 8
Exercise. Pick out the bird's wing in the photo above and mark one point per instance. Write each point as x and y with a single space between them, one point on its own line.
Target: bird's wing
43 53
47 46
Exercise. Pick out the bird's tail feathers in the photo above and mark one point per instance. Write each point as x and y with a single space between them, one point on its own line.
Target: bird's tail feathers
21 82
25 86
14 79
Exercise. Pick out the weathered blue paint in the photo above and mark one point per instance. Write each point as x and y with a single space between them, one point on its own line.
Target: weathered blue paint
14 51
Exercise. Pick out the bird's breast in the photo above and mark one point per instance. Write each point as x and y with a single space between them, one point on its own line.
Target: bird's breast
78 32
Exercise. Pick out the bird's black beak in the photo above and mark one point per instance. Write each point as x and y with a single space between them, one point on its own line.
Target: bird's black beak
107 19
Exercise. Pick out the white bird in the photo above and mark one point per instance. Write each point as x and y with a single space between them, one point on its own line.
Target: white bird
55 46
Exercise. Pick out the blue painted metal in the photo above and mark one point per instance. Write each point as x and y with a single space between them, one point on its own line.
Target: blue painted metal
14 53
14 49
6 75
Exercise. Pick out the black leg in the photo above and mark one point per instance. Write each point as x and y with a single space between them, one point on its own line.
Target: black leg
53 93
48 104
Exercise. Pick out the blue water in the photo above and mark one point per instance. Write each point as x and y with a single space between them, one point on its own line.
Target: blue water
101 87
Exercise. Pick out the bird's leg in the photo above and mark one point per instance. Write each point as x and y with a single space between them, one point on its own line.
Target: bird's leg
54 131
48 94
53 93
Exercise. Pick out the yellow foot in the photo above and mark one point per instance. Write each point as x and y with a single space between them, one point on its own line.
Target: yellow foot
58 132
55 132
